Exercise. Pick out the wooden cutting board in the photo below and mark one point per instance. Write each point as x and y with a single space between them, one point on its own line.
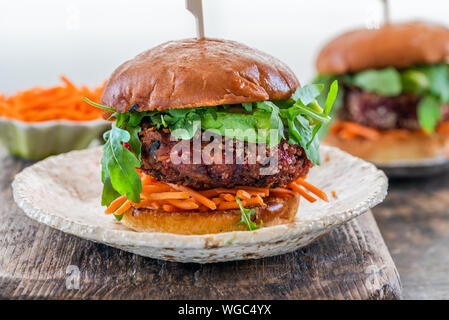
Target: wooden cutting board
37 262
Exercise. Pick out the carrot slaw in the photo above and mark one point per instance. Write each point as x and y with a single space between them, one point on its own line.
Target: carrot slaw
63 102
172 197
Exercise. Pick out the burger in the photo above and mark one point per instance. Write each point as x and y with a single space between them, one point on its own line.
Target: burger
393 102
210 136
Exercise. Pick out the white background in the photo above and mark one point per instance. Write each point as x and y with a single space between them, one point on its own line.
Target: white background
87 40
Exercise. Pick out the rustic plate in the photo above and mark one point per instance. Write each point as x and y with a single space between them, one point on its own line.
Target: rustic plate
416 168
64 192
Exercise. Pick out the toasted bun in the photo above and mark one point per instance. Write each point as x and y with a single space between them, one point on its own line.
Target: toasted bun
393 45
277 211
389 148
193 73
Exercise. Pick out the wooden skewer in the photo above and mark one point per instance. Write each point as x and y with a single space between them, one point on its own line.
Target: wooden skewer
196 8
386 6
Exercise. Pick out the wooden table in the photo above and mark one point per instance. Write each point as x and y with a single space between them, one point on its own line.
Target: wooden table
414 221
352 262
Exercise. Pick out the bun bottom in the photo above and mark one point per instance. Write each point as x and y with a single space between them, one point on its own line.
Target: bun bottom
277 211
392 147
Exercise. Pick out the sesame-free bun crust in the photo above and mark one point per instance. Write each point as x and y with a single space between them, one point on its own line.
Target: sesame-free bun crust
193 73
392 45
388 148
277 211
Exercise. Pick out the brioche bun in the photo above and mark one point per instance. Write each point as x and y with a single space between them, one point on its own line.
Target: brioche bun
392 45
277 211
411 146
194 73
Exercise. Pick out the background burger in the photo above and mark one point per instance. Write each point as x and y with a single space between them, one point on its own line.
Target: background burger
394 97
203 86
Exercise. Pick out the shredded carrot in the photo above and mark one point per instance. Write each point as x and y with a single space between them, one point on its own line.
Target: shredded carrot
123 208
115 204
251 190
242 194
55 103
168 208
301 191
351 130
443 127
264 191
319 193
196 195
167 195
155 205
153 188
184 204
147 179
334 194
227 205
147 203
171 197
227 196
282 192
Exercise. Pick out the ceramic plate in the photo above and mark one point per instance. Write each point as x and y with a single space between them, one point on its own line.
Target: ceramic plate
417 168
64 192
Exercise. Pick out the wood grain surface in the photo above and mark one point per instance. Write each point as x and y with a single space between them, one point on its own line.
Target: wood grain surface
38 262
414 220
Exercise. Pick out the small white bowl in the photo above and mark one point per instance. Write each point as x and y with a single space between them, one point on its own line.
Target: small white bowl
38 140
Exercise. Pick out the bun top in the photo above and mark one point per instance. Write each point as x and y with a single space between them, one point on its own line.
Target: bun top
392 45
193 73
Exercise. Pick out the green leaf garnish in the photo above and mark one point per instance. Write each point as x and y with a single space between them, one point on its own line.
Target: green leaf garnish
98 105
246 217
119 168
438 76
331 97
248 106
414 81
386 81
308 93
429 113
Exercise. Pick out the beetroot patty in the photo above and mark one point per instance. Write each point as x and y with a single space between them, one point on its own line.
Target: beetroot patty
381 112
156 147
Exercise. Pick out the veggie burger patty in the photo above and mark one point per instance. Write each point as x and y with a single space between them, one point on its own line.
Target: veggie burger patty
292 163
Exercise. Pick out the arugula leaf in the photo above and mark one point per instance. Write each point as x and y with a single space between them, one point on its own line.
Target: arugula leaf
119 167
301 132
308 93
246 217
248 106
134 140
99 105
414 81
429 113
108 194
331 97
300 117
438 76
386 81
275 120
